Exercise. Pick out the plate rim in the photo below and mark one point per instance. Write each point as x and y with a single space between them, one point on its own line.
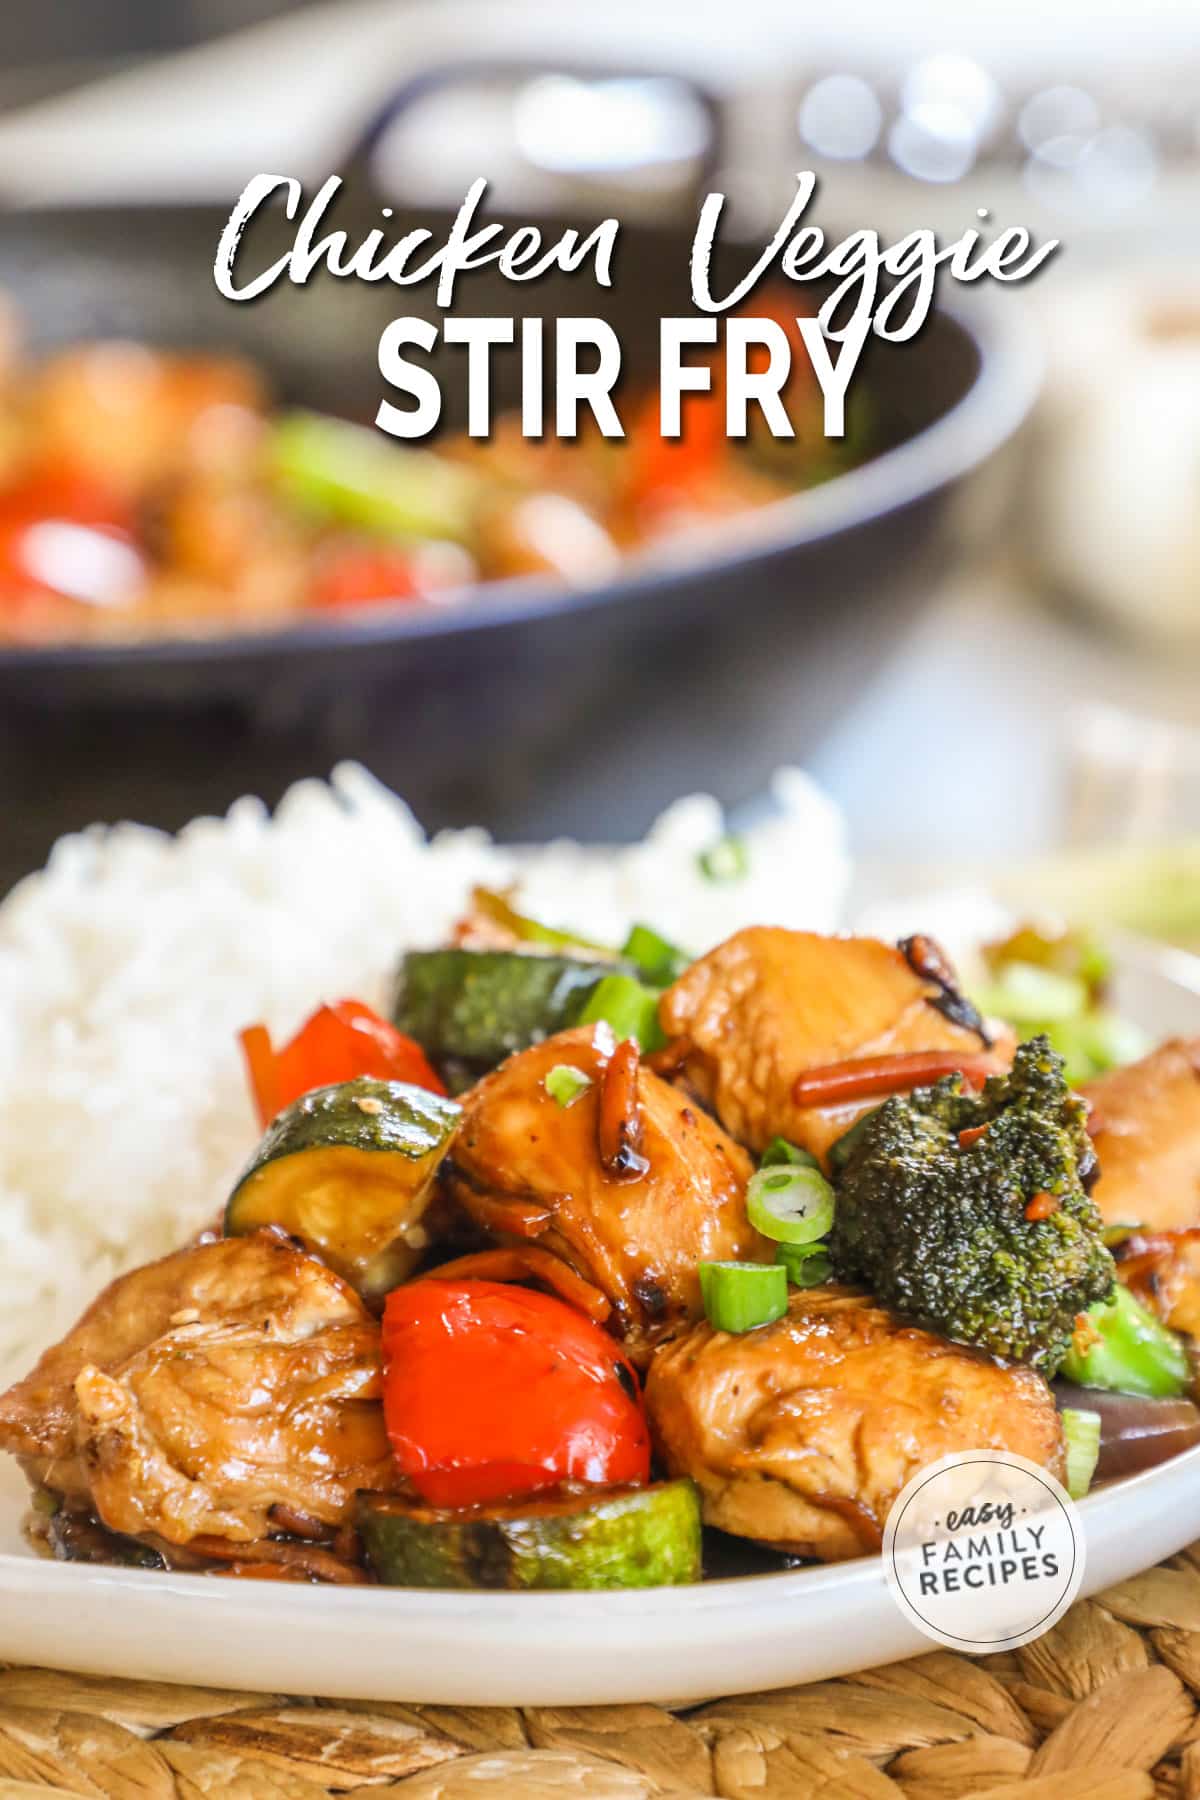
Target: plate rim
715 1593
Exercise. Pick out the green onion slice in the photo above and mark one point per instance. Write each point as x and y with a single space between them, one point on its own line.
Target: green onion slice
564 1084
726 860
1119 1233
629 1007
742 1296
1025 994
780 1150
1081 1430
790 1204
497 907
1134 1354
1111 1041
656 959
807 1265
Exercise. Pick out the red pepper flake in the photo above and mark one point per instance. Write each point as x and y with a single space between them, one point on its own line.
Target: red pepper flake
970 1136
1042 1206
1085 1334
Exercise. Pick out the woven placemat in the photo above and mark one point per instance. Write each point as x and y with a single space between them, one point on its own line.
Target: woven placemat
1104 1707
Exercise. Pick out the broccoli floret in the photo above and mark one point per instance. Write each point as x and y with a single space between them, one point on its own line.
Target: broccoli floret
985 1235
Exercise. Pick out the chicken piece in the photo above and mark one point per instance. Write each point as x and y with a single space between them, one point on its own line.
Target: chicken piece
1163 1270
546 534
801 1434
525 1168
202 1391
1146 1130
137 416
1146 1133
767 1004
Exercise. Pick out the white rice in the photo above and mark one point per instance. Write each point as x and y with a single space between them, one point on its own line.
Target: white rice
130 962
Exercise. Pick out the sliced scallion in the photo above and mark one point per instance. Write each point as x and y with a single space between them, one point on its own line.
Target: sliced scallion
1125 1349
1081 1433
654 957
781 1150
1117 1234
726 860
564 1084
791 1204
742 1296
1111 1041
499 909
807 1265
629 1007
1025 994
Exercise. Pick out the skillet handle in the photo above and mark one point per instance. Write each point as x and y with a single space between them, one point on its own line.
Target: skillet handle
358 165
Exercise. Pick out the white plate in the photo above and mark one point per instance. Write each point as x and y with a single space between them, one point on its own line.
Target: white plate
553 1649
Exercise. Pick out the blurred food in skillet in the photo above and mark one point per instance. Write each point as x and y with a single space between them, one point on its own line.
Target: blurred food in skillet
148 493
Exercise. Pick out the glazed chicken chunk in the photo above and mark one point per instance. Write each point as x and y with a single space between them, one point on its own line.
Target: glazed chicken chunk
1163 1270
1147 1135
198 1394
530 1170
769 1004
1146 1131
801 1434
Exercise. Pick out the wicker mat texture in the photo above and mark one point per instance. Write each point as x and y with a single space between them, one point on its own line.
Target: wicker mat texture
1104 1707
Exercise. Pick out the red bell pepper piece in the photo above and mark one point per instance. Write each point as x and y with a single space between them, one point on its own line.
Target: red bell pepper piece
53 495
492 1392
336 1044
366 576
662 468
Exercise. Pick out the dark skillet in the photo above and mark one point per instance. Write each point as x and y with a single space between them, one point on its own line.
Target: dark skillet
526 709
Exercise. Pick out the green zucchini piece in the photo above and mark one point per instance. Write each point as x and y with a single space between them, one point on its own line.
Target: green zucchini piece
350 1170
611 1538
482 1005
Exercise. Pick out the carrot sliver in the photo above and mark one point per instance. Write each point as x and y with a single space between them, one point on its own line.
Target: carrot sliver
263 1071
864 1077
518 1218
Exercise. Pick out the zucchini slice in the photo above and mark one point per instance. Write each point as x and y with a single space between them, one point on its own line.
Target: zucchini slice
350 1170
482 1005
611 1538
